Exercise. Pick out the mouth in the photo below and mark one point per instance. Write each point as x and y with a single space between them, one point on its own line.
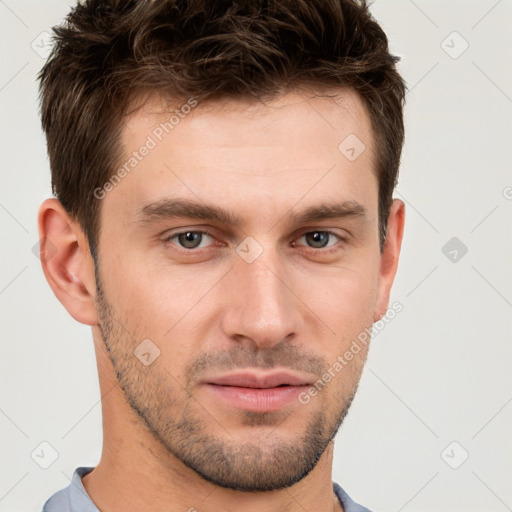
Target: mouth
260 380
258 392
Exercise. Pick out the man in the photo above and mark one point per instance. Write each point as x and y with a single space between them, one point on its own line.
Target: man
224 222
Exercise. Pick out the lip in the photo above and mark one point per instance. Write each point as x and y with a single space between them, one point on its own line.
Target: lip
258 392
257 399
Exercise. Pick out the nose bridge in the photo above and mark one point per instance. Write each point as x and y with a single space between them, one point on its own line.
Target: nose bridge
261 306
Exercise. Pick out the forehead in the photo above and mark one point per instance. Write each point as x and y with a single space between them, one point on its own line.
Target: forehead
293 115
297 147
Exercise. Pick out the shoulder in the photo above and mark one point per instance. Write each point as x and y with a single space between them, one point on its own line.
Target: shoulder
349 505
73 497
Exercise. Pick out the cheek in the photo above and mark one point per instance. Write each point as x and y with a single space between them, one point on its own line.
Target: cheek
159 301
346 301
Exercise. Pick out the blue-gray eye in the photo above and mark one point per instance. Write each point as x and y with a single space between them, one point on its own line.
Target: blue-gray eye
190 239
319 239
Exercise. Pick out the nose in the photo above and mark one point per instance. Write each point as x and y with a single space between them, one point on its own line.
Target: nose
261 304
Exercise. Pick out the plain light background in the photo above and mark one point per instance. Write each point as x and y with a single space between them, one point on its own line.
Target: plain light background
430 429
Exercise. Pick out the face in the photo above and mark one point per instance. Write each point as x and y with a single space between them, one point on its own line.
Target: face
243 244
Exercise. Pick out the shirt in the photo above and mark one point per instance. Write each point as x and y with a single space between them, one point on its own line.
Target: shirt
74 497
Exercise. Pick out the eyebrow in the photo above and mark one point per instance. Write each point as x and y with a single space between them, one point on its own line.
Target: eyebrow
328 211
178 208
166 209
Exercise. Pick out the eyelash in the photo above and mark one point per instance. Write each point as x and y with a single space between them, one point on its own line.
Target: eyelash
327 250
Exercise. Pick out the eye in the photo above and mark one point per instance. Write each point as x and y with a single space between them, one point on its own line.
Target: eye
189 239
320 239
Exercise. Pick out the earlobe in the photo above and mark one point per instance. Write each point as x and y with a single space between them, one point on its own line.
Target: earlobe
390 256
67 262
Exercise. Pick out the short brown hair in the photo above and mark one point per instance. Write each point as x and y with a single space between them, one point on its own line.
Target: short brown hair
110 51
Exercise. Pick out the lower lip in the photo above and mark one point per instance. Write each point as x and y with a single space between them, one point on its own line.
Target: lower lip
257 399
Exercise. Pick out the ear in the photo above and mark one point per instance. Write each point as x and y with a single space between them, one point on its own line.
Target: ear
67 262
389 257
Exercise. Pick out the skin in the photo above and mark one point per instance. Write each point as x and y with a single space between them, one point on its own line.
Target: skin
169 443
